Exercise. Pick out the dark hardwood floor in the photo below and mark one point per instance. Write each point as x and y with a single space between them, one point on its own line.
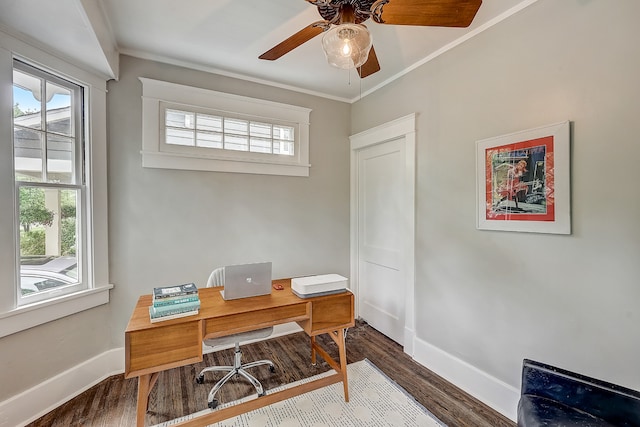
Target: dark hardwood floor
113 401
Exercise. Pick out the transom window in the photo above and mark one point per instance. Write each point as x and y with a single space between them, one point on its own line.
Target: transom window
186 127
194 129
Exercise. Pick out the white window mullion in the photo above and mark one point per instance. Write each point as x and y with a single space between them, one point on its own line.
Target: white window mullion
8 259
79 135
247 135
43 128
224 135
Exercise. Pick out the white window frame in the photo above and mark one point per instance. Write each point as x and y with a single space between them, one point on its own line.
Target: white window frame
158 95
14 317
78 184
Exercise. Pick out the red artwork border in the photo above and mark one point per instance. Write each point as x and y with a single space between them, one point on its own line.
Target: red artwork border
547 142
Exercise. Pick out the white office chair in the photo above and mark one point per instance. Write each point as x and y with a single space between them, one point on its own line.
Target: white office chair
217 279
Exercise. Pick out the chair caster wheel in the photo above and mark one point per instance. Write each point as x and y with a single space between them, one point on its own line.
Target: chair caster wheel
213 404
200 379
272 369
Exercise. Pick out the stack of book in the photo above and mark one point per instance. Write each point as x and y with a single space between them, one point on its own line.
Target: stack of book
171 302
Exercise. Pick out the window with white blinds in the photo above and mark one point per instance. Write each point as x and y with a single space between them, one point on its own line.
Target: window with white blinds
185 127
193 129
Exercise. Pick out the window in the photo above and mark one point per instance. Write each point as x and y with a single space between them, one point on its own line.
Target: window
53 188
191 128
48 142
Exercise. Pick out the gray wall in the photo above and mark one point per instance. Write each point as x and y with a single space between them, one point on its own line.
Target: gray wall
492 298
171 226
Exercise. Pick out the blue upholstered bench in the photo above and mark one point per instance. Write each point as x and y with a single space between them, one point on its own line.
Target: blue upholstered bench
552 396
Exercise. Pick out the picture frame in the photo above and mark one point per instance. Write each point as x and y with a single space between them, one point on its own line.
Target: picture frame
522 181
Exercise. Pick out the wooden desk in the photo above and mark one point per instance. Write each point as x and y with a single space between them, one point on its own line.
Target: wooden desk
154 347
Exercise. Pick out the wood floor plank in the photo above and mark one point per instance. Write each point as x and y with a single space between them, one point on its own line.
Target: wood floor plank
113 401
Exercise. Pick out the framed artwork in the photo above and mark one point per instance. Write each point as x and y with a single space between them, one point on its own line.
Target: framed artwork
523 181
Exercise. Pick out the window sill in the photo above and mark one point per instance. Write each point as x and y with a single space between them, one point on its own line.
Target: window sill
151 159
35 314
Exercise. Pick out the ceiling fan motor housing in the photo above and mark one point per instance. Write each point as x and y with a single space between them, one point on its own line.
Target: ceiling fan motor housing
331 10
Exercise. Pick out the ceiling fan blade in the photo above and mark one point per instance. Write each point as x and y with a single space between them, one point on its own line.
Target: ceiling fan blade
371 66
299 38
437 13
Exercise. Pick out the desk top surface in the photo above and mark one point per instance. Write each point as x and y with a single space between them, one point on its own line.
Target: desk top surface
212 305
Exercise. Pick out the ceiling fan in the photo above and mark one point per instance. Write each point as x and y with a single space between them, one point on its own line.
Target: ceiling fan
344 19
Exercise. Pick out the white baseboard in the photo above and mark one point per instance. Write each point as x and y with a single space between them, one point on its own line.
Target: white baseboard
491 391
32 404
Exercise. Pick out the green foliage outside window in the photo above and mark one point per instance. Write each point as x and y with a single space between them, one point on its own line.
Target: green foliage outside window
32 208
32 242
34 217
68 236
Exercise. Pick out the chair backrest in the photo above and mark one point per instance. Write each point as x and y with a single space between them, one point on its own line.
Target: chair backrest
216 278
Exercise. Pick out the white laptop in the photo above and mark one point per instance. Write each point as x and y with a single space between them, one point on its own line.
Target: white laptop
246 280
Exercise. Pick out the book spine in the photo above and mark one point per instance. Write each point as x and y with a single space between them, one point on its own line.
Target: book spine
171 316
175 300
186 289
174 309
173 294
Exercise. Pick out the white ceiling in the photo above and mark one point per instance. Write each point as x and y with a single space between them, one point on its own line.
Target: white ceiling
227 36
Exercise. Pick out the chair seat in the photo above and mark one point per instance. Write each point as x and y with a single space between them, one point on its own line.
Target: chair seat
239 337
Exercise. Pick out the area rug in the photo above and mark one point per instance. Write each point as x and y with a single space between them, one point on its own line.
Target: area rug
374 400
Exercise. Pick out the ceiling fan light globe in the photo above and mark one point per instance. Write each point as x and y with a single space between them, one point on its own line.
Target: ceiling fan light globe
347 45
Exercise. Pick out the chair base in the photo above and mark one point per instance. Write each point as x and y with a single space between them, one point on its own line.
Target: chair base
237 369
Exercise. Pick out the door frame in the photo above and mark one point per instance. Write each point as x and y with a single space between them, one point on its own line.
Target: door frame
404 127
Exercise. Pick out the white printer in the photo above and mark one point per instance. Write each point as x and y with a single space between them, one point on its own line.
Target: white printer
313 286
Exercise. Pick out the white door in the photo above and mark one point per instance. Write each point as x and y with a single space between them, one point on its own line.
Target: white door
381 273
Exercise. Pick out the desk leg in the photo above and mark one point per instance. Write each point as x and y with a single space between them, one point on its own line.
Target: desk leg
341 366
342 349
145 384
144 381
313 350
